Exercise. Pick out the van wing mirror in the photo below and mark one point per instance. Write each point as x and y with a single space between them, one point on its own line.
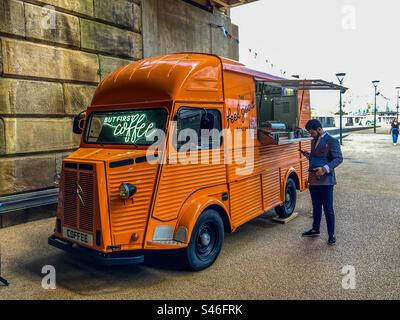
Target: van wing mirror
79 124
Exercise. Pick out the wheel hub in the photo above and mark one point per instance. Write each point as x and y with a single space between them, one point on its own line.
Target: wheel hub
205 239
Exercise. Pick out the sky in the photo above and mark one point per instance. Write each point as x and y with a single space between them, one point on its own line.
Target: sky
318 38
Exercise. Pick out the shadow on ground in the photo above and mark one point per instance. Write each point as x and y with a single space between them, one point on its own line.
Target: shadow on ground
77 275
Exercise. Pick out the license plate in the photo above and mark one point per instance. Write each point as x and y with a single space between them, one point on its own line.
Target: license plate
78 236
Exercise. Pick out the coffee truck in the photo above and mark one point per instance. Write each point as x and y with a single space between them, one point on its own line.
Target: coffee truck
137 183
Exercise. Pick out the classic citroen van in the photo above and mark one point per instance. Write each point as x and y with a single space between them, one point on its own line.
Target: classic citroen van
136 183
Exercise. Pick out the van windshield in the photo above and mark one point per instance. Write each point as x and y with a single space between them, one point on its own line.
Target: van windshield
127 127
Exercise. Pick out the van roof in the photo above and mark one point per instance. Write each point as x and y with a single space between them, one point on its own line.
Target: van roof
179 77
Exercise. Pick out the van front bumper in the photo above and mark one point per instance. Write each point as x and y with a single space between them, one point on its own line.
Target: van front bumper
105 259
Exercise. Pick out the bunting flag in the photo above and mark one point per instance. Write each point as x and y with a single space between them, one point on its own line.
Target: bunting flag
226 33
252 52
268 62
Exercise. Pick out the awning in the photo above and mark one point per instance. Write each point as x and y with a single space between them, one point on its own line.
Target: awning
304 84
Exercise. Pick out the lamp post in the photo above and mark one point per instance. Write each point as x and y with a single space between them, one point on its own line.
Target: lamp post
340 77
375 83
397 107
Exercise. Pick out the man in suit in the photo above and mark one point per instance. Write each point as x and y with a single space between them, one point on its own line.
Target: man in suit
325 156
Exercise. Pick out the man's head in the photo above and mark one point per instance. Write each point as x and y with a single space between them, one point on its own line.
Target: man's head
314 128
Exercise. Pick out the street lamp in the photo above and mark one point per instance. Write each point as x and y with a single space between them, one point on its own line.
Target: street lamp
340 77
397 88
375 83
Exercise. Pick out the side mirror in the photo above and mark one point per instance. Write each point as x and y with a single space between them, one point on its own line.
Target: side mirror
79 124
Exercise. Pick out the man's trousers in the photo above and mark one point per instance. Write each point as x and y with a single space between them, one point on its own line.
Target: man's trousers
322 196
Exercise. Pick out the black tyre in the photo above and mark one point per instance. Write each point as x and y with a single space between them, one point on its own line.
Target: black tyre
288 206
206 241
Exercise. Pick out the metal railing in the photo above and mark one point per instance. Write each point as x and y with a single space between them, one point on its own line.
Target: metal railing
28 200
335 132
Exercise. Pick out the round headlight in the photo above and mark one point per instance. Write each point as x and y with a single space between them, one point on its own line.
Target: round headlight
126 190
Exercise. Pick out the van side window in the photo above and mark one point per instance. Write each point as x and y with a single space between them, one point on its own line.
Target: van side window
198 129
276 106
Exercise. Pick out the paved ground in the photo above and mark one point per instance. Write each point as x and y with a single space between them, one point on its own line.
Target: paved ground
262 260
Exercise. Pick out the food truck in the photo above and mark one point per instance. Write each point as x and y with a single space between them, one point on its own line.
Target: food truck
140 181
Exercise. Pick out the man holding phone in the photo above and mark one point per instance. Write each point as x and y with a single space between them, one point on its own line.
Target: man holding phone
325 156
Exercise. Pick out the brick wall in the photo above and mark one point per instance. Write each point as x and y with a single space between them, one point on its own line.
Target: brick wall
50 64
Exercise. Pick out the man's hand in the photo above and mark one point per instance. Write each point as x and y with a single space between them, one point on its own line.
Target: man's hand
320 171
305 153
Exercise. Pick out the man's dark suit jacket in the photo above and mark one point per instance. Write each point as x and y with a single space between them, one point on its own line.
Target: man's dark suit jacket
328 147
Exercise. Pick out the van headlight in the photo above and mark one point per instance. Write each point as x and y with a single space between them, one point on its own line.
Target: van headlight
126 190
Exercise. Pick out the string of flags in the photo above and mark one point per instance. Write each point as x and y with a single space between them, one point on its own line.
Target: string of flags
230 36
226 32
268 62
253 53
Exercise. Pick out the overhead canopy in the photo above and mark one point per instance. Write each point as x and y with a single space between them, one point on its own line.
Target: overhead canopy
304 84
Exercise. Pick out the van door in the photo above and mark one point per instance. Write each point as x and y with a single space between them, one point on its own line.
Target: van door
195 158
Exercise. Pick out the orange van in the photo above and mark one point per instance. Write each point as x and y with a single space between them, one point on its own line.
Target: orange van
148 177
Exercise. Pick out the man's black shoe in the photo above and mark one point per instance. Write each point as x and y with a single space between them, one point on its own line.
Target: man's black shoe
310 233
332 240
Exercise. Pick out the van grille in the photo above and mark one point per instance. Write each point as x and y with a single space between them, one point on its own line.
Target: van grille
77 213
70 203
86 211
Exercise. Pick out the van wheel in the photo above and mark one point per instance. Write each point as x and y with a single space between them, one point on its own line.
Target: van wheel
205 242
288 206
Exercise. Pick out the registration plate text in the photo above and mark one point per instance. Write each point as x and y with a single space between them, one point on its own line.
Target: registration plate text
78 236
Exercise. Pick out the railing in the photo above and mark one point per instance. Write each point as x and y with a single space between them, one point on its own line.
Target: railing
335 132
28 200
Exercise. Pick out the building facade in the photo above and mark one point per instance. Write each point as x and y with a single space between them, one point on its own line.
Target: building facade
53 53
